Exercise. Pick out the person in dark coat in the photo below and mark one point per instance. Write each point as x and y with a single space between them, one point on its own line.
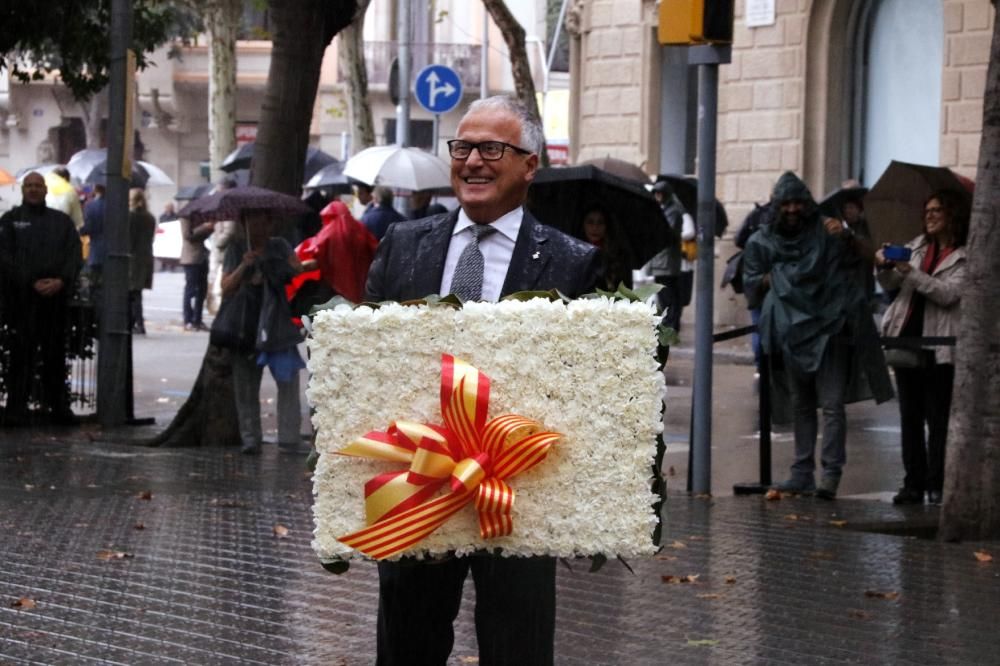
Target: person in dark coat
379 216
493 161
815 327
142 230
40 257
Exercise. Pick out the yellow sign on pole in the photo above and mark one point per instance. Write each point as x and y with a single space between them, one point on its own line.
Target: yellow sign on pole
689 22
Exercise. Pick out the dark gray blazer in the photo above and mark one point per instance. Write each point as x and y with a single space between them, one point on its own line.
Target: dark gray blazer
410 259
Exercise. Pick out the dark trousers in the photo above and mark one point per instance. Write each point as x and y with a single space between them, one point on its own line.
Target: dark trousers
924 397
137 323
37 342
195 288
515 610
669 300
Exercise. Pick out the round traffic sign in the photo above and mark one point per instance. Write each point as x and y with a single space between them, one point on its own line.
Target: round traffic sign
438 88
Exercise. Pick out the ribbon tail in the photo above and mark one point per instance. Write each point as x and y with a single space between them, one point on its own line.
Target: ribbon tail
494 502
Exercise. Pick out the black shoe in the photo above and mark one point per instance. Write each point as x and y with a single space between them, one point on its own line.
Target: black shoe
910 496
934 497
250 449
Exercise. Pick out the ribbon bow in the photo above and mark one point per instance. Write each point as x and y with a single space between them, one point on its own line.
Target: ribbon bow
468 456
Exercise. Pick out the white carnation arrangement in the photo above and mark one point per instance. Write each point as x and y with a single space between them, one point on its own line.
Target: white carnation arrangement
585 369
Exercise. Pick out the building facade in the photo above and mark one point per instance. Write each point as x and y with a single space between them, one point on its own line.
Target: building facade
832 89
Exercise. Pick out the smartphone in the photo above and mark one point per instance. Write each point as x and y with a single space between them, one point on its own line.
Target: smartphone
896 253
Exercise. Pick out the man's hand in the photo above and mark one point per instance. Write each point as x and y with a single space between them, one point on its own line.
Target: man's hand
834 227
48 287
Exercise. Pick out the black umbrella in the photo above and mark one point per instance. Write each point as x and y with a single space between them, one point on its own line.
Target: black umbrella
240 158
686 189
560 196
330 178
230 204
895 205
832 204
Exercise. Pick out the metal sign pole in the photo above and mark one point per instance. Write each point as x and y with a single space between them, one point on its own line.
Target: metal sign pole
437 129
403 108
708 59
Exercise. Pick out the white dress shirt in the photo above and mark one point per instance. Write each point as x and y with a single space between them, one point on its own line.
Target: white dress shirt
497 249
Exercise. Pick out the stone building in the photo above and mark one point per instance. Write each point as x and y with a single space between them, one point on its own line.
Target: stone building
832 89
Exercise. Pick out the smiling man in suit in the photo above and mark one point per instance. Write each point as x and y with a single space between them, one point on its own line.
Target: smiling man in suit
488 248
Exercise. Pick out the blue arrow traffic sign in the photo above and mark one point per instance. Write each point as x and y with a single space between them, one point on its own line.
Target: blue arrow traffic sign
438 88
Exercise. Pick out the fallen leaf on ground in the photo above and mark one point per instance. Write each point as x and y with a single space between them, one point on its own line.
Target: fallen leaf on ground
708 595
228 503
469 660
773 495
107 555
860 614
138 526
983 556
821 555
146 495
704 642
24 603
838 523
671 471
791 516
730 580
695 537
678 545
280 531
875 594
668 558
676 580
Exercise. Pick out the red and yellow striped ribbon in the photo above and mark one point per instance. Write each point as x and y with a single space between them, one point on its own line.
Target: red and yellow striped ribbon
469 457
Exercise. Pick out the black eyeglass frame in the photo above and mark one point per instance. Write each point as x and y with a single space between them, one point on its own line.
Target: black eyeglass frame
477 146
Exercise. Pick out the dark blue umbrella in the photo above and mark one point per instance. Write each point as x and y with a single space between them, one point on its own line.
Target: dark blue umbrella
241 158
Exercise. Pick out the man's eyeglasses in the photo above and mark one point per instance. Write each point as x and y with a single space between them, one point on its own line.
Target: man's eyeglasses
488 150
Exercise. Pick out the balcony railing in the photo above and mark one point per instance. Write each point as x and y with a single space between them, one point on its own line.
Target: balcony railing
463 58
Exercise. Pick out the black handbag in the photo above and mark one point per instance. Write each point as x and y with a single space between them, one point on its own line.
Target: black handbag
235 325
733 274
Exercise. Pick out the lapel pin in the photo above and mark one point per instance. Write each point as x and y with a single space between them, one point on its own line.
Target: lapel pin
535 255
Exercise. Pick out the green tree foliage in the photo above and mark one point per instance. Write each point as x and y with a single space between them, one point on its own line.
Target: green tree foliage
71 37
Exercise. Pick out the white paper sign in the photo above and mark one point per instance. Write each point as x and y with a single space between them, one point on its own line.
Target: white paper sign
759 13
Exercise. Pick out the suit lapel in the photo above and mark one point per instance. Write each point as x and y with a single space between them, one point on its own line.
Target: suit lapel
529 259
430 256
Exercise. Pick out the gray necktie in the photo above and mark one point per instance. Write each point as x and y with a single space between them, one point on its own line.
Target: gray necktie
467 281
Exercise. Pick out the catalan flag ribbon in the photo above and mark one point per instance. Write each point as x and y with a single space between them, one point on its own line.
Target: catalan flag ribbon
469 458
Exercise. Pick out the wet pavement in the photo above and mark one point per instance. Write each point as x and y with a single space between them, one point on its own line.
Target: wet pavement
120 554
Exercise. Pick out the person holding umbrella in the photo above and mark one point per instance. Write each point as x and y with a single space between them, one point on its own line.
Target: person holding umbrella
665 267
257 266
929 302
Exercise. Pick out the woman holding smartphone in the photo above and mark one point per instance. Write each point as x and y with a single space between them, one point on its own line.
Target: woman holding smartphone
930 290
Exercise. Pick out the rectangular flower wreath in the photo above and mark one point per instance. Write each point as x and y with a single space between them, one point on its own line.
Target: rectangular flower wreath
525 426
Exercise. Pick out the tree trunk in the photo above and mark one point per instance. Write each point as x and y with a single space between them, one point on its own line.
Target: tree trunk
302 31
513 35
93 111
222 21
972 474
354 71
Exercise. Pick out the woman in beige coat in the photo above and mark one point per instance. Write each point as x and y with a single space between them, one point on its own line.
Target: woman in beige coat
928 305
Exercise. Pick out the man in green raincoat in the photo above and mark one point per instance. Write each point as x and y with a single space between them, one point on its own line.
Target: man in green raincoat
815 327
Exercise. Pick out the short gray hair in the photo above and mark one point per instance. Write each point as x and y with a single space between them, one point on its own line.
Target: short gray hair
383 195
532 134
